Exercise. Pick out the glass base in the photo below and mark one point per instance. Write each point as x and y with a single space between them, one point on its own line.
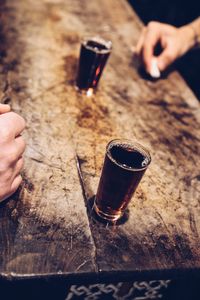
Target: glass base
105 216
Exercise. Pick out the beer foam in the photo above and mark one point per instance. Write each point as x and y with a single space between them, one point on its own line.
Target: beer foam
102 46
145 162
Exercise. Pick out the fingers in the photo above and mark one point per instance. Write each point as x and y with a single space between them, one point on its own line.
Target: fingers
18 167
157 33
16 182
11 180
151 39
4 108
11 171
165 59
12 148
20 146
138 48
9 156
17 123
11 125
13 151
14 186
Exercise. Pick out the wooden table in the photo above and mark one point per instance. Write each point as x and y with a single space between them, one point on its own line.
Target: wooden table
46 230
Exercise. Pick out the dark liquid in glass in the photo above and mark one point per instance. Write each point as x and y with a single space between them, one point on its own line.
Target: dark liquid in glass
93 57
122 171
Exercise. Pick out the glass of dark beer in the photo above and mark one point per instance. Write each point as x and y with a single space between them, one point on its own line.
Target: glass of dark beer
124 165
94 53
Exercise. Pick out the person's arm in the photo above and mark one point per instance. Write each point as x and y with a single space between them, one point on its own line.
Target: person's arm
195 26
12 147
174 42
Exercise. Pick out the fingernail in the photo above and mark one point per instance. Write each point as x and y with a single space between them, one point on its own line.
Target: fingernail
154 71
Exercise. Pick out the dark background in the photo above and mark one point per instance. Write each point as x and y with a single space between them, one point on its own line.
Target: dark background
177 13
56 289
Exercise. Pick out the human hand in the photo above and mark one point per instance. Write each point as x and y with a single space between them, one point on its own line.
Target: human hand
12 147
174 43
4 108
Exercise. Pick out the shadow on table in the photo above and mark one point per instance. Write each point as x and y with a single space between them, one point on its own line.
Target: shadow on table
96 218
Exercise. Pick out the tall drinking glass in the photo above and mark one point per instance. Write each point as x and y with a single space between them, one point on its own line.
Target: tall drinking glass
124 166
94 53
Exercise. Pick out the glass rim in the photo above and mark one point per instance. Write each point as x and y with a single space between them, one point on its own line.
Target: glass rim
100 40
133 144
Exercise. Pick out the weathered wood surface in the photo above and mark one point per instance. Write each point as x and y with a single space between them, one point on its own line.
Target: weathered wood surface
45 228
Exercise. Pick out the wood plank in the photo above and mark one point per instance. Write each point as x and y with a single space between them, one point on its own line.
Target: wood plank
44 228
162 232
41 232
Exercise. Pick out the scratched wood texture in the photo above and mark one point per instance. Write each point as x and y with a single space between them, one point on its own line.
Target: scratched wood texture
45 228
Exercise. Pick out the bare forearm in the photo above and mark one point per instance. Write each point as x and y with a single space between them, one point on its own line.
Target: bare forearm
195 33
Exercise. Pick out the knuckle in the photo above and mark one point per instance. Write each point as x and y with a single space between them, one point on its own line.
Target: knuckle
144 29
18 118
21 119
152 24
13 114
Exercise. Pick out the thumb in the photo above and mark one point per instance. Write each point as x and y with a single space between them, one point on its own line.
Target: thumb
165 59
4 108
